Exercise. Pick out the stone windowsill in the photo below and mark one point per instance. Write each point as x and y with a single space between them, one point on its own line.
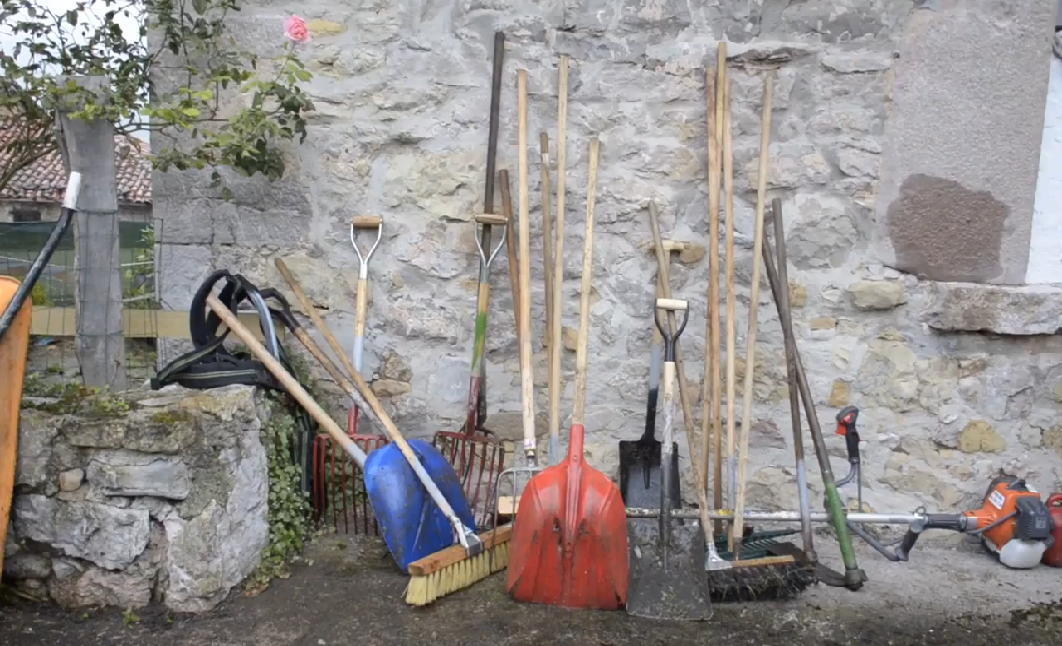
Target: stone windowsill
1013 310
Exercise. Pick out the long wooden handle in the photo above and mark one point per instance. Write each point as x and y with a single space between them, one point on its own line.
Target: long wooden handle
547 234
378 414
668 434
711 323
717 382
547 263
311 311
495 116
556 326
754 300
728 188
527 379
579 405
731 333
361 310
784 316
289 383
663 262
510 247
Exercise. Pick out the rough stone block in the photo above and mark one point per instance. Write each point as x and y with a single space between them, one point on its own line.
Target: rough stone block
869 295
35 467
820 232
1000 309
120 473
859 19
138 431
979 436
91 586
114 539
71 480
105 535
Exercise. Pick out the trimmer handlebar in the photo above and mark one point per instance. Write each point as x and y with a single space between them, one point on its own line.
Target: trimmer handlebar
953 522
846 426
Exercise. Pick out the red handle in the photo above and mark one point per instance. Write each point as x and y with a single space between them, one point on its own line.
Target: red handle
1054 500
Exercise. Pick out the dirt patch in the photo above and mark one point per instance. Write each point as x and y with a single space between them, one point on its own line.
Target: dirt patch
346 590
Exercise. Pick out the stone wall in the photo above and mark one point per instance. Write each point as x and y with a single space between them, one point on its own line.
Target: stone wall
400 129
166 502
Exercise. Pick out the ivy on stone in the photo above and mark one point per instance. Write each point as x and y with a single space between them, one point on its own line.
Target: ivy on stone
290 524
186 42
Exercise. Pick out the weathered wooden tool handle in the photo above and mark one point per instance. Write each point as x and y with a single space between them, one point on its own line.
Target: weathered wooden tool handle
491 219
455 553
366 221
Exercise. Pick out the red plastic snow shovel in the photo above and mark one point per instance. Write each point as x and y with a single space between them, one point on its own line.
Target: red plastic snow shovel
569 542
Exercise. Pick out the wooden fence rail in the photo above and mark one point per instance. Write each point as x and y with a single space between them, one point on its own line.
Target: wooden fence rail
136 324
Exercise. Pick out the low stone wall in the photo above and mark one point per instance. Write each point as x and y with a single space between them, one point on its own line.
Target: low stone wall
155 497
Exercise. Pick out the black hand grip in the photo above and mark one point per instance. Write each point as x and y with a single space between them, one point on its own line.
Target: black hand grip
851 442
953 522
846 426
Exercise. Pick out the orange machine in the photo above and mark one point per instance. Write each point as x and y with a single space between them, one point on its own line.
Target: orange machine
1013 523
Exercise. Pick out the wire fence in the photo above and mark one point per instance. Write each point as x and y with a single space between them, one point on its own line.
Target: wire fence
21 242
54 365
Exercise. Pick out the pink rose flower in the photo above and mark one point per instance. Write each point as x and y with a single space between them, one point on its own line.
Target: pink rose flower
296 30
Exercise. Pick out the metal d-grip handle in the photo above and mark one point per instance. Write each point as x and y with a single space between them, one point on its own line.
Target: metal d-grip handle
671 305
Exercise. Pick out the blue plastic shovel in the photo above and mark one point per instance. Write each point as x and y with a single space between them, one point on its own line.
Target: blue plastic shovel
415 493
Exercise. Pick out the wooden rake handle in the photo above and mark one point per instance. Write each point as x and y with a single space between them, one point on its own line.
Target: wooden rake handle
754 302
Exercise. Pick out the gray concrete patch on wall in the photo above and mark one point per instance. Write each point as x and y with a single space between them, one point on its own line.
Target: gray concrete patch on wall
962 141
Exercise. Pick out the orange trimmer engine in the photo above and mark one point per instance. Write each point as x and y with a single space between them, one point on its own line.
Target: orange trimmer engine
1013 523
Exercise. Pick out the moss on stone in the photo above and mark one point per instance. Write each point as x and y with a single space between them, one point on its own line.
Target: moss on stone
171 417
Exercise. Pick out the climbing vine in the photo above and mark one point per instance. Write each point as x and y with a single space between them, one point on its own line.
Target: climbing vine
289 507
290 518
172 67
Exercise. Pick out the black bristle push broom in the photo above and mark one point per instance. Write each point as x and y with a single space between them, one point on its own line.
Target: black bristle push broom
768 577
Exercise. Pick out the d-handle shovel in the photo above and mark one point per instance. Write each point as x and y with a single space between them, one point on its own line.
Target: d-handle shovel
668 579
668 450
639 470
361 222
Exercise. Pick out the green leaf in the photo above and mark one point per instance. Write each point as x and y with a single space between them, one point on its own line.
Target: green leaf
191 112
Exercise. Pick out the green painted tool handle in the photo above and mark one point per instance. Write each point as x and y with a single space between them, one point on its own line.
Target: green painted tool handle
833 499
477 381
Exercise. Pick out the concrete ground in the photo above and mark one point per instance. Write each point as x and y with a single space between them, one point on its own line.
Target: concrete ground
347 591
